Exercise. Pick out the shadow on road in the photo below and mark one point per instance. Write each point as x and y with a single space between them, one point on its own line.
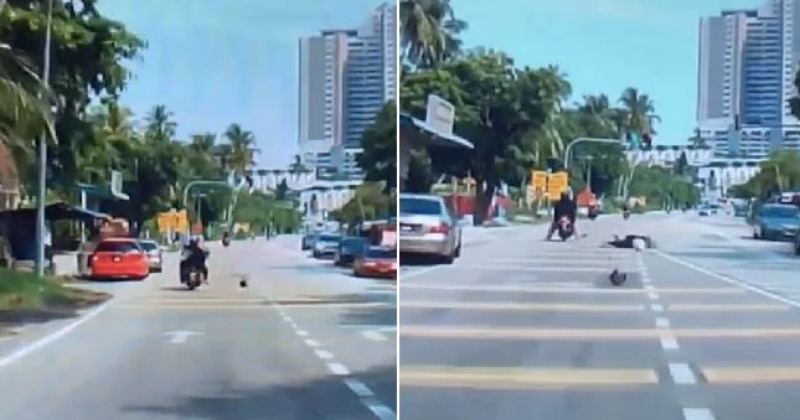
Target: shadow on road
319 398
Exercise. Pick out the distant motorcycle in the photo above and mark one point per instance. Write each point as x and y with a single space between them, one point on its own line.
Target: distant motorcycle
226 240
565 228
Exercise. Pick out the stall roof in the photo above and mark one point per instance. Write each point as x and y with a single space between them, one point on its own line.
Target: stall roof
439 138
57 211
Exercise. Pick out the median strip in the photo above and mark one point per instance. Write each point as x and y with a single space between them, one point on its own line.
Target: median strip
534 378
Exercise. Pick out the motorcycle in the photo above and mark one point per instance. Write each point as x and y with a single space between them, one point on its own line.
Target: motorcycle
565 228
226 241
194 278
626 214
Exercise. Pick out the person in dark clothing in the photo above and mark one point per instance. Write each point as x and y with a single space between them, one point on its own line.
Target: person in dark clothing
565 207
196 259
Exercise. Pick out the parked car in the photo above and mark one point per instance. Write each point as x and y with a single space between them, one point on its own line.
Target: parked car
428 226
349 248
308 241
376 261
154 255
776 222
326 245
119 258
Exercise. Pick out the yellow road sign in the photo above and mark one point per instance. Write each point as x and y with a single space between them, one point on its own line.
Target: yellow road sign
539 179
556 184
181 221
166 222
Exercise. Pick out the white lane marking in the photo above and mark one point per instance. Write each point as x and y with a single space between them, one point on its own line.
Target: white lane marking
180 337
650 288
323 354
381 411
302 333
312 343
44 341
682 374
358 387
373 335
668 342
729 280
419 272
657 307
662 322
698 414
338 368
652 296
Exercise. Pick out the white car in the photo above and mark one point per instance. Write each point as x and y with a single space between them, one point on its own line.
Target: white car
427 226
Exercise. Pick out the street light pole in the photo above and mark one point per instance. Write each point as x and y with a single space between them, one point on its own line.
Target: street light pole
573 143
42 176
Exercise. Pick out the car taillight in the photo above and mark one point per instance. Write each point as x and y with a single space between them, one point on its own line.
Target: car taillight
440 228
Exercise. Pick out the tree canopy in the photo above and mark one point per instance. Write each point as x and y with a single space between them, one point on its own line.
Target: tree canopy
518 117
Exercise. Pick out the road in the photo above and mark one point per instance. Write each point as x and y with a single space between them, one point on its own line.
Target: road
515 330
302 341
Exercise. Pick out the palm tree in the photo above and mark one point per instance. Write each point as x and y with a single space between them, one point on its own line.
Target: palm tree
243 149
428 31
297 165
640 112
160 128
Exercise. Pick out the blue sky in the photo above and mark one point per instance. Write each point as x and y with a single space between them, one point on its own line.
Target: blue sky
213 63
605 46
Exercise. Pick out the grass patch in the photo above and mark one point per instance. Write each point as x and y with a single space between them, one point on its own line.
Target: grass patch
22 291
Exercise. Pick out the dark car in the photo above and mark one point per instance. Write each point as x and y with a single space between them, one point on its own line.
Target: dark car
349 248
776 222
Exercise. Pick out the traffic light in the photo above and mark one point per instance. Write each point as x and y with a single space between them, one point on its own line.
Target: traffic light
647 141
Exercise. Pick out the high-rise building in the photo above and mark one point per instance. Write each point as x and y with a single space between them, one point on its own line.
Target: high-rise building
746 67
346 76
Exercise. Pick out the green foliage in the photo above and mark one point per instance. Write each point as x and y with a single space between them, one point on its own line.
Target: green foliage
261 210
662 188
379 142
369 203
514 115
780 172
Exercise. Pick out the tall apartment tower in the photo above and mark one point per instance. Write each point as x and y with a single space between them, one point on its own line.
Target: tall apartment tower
746 67
346 76
747 63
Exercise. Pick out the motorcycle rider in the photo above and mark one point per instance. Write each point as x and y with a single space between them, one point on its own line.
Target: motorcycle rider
565 207
196 259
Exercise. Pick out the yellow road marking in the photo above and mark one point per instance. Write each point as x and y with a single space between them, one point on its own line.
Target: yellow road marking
235 306
585 307
535 378
749 375
482 333
507 306
726 307
588 269
550 289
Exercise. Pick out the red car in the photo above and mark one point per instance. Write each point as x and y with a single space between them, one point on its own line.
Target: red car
376 262
119 258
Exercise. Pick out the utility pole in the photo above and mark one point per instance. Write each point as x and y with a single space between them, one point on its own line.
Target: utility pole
41 196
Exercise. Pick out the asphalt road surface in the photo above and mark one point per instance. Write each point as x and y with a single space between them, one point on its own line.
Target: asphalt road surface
303 341
523 329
